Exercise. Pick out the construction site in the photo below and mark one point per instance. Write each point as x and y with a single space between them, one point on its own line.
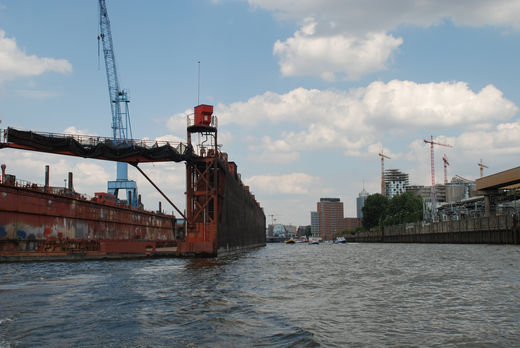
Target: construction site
484 210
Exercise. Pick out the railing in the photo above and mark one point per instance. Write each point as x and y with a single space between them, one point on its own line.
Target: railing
59 191
190 121
92 140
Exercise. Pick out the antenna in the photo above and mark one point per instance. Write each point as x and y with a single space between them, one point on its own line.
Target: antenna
198 85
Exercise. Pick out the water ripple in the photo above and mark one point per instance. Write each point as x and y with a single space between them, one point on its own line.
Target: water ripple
354 295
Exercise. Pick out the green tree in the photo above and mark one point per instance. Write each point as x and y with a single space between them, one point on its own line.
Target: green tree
374 210
403 208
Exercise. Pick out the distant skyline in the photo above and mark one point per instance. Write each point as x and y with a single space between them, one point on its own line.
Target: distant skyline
307 93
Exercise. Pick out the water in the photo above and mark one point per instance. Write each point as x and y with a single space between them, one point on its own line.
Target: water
352 295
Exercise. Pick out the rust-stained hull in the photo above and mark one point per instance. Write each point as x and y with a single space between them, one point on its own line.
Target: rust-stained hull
37 225
224 216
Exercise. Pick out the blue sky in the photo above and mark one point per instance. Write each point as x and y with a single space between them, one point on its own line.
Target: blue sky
307 93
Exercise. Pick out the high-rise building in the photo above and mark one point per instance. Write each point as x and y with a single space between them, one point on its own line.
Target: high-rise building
395 182
360 202
330 212
315 224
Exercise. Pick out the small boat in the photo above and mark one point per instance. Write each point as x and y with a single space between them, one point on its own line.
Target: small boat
290 241
340 240
314 240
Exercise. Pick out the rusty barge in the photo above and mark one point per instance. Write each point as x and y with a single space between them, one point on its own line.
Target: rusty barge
43 223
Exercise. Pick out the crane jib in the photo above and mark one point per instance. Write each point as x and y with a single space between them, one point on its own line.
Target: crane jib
121 126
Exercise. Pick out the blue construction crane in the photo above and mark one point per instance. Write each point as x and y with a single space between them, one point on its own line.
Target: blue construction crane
121 127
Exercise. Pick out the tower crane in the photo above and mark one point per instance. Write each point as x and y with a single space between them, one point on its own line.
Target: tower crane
446 163
273 219
121 127
433 192
383 156
482 166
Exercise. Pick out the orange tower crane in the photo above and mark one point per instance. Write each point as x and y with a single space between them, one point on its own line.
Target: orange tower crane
383 156
446 163
482 166
434 193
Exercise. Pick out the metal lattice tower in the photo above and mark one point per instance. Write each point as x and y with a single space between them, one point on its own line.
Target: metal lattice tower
121 126
434 193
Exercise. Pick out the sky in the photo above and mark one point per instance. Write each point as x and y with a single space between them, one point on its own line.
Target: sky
307 93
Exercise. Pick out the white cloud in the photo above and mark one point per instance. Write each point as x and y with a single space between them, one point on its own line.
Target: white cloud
502 140
171 138
339 56
349 39
275 151
14 62
445 104
89 174
376 15
352 121
295 183
178 122
73 130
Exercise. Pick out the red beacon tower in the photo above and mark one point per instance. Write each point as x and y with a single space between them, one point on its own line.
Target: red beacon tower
204 189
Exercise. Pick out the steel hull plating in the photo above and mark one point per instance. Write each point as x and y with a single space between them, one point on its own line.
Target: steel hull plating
37 225
225 217
242 224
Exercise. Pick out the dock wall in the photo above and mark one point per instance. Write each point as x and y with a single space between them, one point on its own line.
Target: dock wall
503 229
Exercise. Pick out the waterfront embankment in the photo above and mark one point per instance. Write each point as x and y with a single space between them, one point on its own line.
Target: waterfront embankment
502 229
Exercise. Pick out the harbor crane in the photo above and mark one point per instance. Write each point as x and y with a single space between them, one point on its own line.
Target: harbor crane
433 192
273 219
482 166
446 164
121 126
383 156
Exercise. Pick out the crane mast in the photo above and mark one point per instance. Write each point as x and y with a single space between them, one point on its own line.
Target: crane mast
433 191
446 164
383 156
121 127
482 166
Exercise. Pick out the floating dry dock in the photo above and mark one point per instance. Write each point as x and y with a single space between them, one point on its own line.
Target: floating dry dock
45 223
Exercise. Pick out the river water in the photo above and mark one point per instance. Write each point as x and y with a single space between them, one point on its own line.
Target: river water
350 295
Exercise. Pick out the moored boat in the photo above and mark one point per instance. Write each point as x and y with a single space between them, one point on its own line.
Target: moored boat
340 240
50 223
222 216
314 240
